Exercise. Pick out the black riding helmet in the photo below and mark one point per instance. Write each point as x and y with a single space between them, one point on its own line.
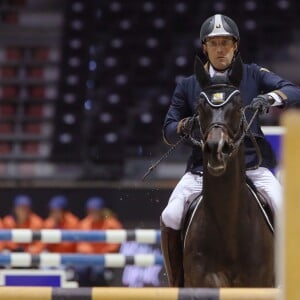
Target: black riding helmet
219 25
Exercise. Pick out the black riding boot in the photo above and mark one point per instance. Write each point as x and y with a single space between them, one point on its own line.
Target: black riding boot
171 246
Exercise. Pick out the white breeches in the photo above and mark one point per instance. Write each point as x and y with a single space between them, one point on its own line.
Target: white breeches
190 186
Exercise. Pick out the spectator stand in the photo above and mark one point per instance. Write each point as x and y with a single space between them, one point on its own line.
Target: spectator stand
29 72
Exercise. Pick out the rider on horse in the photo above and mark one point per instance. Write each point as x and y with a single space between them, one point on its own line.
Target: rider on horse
260 89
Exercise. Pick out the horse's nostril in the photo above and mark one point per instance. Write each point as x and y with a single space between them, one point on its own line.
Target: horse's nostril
210 147
226 148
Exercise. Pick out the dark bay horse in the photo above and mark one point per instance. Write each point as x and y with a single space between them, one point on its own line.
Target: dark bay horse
228 242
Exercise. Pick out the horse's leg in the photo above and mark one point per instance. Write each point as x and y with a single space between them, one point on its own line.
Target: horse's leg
194 271
202 271
256 267
262 270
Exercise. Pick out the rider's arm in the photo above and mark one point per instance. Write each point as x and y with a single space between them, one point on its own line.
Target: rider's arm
283 91
178 110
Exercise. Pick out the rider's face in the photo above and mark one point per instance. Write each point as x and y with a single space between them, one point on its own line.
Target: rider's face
220 51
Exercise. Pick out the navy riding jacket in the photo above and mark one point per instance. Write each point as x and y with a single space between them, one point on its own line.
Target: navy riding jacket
256 80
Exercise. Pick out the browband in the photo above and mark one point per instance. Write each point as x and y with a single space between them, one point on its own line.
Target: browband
219 99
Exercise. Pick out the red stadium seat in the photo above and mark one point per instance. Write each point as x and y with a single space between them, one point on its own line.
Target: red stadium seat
7 110
34 110
36 72
5 148
10 91
37 91
14 53
30 148
32 128
6 128
41 54
7 72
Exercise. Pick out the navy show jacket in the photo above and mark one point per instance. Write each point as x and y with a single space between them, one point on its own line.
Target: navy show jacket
256 80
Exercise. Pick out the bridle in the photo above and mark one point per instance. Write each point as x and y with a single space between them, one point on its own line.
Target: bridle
236 138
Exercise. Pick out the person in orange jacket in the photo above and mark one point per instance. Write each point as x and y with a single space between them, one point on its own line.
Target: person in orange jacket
98 218
1 243
61 218
23 218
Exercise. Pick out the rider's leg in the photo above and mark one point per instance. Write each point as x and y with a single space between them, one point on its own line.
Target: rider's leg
268 185
172 251
186 190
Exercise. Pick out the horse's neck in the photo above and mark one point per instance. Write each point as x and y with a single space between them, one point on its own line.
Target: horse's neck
223 197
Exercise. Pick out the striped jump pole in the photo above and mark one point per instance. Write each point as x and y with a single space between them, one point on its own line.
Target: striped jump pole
135 294
142 236
289 241
56 260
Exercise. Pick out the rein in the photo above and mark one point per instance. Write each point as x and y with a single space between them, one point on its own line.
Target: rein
164 156
246 129
252 137
244 125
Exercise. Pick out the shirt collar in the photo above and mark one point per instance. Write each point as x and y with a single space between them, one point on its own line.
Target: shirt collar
213 72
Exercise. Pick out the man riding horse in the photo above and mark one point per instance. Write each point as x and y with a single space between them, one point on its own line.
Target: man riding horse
260 89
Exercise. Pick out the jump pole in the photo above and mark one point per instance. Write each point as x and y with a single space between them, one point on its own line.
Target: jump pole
289 221
28 293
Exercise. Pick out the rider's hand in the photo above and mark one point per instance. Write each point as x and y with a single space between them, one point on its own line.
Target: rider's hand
262 103
185 126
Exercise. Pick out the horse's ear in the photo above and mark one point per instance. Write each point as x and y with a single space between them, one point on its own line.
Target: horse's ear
236 73
200 72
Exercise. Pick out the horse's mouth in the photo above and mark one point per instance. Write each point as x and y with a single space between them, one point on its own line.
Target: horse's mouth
217 170
218 148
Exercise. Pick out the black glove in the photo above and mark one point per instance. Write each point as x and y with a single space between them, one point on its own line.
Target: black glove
185 126
262 103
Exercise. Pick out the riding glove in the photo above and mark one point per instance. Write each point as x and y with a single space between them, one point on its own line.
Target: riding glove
185 126
262 103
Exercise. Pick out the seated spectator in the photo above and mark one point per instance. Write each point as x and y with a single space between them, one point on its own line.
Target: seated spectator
61 218
98 218
1 243
23 218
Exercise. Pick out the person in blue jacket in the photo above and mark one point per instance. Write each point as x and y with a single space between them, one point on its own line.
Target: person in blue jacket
260 89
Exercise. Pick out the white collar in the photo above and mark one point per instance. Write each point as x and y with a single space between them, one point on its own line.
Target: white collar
213 72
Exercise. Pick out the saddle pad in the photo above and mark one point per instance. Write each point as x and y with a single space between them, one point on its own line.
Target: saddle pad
188 215
264 207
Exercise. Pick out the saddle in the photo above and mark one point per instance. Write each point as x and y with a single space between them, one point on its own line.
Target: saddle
267 211
188 214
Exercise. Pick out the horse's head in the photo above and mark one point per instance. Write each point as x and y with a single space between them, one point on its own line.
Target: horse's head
220 115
